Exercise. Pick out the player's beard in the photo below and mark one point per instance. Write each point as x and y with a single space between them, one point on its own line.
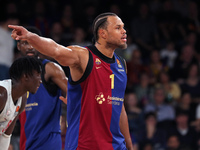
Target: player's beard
32 53
116 45
123 46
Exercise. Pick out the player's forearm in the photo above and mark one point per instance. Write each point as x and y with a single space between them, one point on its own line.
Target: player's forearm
4 141
124 128
10 129
125 131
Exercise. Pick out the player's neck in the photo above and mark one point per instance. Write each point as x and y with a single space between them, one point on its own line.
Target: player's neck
107 51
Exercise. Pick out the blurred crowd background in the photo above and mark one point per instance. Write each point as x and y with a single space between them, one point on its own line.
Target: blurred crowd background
162 99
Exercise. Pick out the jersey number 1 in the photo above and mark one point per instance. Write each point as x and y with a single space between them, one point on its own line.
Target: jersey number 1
112 81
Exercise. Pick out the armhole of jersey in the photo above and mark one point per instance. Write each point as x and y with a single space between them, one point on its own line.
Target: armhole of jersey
87 71
123 62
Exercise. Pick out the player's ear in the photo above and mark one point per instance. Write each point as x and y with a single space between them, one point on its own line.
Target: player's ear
26 77
102 33
18 45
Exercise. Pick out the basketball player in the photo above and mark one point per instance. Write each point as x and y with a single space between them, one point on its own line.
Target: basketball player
95 110
40 122
24 76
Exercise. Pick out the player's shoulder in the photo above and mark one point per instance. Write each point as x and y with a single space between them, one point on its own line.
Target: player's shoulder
52 67
3 92
52 64
78 49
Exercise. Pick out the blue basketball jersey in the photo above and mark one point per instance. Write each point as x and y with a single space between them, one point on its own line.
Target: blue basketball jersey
40 122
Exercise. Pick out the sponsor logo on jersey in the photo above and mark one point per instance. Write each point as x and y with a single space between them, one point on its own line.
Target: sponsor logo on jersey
17 109
110 99
32 104
98 67
121 70
3 130
29 106
97 61
118 63
100 98
8 113
115 98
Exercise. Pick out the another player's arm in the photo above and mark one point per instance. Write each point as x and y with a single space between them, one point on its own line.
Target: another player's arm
5 137
55 73
12 125
124 128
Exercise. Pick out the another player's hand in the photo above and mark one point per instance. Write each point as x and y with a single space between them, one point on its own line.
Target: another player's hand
19 32
64 99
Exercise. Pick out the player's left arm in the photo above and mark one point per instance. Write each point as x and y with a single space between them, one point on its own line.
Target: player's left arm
56 74
12 125
124 128
6 137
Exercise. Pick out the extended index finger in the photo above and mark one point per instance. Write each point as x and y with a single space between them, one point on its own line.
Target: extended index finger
14 27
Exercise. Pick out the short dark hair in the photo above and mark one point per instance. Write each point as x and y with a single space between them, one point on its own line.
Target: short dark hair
100 22
181 113
24 65
34 30
150 114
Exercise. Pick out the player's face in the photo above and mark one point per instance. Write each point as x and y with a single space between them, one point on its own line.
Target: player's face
33 82
116 32
27 49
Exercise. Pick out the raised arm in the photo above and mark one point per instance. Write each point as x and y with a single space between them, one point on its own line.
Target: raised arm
75 57
66 56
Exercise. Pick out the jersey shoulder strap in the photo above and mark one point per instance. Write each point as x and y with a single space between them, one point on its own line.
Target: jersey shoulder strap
123 61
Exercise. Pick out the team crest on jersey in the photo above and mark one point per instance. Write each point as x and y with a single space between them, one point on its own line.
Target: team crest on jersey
97 61
100 98
119 64
17 109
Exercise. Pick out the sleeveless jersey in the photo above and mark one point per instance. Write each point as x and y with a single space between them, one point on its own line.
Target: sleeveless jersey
10 110
40 122
94 105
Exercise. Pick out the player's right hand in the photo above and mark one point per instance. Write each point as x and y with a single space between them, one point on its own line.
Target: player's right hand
19 32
